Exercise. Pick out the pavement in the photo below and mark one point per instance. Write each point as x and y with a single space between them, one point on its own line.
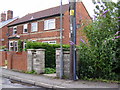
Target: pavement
50 81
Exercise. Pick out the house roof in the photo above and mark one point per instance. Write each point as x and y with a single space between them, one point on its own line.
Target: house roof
41 14
2 24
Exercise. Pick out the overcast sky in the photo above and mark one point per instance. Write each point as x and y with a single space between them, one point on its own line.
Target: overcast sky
23 7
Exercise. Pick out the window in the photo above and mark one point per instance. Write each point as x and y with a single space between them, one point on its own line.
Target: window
14 30
34 27
24 45
49 24
25 28
50 42
13 46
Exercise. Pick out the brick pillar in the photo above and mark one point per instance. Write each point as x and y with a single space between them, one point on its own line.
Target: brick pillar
66 65
36 60
9 59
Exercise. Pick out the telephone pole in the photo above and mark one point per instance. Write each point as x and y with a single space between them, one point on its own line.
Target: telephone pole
73 61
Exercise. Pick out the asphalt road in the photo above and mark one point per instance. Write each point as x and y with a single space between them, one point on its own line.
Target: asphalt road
6 83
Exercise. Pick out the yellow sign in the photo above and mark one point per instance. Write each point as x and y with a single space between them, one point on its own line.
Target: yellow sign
71 12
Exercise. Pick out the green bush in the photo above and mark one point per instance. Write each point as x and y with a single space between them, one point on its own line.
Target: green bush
20 46
100 57
50 70
50 61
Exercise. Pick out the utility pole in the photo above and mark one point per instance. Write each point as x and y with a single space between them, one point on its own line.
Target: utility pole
61 41
72 9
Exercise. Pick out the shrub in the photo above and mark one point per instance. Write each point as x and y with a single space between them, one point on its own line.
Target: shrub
50 70
100 57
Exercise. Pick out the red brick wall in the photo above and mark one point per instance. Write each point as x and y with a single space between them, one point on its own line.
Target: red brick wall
3 57
41 33
17 61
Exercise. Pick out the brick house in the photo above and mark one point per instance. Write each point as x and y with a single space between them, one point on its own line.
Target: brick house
3 27
44 26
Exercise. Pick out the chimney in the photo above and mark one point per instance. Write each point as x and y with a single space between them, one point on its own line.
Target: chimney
9 14
3 17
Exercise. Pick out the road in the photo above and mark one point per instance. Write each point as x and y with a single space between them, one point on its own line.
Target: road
6 83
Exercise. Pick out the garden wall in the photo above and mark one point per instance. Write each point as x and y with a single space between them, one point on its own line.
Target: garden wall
17 61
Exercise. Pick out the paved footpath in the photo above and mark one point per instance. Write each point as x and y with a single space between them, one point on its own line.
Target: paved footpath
50 82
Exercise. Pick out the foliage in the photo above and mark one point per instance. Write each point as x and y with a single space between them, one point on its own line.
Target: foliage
100 58
49 51
50 70
2 47
31 72
20 46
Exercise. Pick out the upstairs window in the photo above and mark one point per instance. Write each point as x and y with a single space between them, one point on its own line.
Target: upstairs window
25 28
34 27
49 24
14 30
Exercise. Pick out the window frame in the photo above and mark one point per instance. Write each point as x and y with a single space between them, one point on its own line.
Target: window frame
11 46
36 29
48 22
14 30
25 26
14 46
49 42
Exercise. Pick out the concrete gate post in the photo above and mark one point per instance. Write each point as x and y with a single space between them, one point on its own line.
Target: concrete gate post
36 60
66 63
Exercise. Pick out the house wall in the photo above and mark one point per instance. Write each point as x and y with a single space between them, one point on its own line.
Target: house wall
17 61
41 34
51 35
4 36
3 57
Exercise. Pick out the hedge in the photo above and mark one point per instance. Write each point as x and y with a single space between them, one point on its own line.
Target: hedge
50 61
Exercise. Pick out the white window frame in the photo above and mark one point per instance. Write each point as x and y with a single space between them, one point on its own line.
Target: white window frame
11 46
34 27
49 22
14 30
24 28
49 42
24 45
16 47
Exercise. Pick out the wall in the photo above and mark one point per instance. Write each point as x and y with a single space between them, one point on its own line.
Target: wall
51 35
3 57
17 60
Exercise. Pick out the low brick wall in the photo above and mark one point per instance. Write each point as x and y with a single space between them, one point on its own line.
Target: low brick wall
17 61
3 57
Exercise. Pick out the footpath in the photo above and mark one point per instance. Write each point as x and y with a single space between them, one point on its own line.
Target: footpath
48 81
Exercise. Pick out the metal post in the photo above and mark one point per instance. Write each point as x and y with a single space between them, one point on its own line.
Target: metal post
72 4
61 42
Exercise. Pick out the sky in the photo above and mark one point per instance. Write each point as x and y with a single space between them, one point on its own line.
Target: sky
22 7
